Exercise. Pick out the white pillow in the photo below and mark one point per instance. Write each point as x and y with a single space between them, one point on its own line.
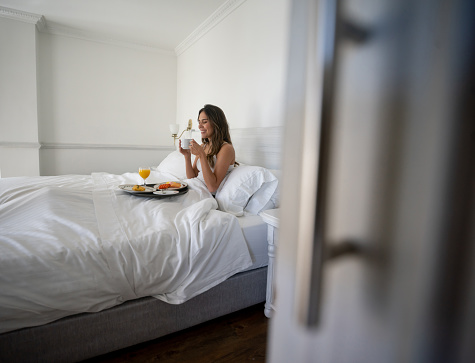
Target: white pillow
275 200
246 190
174 164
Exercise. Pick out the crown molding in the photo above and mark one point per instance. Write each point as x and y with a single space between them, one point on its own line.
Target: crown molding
50 27
214 19
23 16
61 30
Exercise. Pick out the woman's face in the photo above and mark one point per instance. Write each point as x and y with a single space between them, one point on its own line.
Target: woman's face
205 126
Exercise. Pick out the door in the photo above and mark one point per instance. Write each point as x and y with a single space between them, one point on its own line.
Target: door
376 252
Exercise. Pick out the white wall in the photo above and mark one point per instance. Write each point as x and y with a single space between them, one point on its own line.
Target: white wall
113 101
104 94
239 65
105 107
90 105
18 103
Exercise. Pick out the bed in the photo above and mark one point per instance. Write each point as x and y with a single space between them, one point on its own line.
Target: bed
87 268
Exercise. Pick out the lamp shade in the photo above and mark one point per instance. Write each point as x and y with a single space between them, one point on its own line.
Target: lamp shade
174 128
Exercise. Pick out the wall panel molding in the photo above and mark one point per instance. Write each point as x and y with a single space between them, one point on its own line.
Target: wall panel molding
74 146
19 145
260 146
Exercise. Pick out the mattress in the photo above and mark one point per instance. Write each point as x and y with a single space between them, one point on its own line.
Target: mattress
255 234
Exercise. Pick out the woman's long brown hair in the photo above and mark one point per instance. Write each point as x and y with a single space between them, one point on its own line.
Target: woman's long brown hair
220 130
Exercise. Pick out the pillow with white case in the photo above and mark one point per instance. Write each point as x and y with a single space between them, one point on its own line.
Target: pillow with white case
174 164
247 190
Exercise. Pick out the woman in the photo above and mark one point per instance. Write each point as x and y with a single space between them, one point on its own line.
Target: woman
215 157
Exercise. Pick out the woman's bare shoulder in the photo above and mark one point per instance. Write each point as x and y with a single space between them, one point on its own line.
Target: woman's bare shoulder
227 154
227 146
227 149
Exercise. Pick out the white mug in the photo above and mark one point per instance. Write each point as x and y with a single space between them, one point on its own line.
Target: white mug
185 143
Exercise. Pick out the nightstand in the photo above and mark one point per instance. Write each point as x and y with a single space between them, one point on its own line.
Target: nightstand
271 217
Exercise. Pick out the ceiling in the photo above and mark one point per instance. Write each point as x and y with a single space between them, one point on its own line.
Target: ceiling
161 24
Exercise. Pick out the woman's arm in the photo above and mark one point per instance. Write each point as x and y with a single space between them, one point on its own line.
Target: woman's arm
191 170
224 159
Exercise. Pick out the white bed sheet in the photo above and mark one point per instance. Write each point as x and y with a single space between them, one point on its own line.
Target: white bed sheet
255 233
73 244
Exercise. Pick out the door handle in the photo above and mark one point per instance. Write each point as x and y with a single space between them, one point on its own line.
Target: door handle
354 32
341 249
312 249
315 250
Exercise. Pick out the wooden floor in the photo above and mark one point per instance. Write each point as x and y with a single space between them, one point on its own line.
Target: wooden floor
238 337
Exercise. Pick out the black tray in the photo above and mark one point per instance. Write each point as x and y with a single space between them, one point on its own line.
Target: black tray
151 195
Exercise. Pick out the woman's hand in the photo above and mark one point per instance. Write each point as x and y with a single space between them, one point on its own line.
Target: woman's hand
191 170
185 152
196 149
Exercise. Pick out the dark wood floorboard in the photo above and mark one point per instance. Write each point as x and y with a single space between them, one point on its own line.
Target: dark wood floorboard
237 337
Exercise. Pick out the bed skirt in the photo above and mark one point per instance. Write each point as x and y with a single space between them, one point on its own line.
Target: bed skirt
88 335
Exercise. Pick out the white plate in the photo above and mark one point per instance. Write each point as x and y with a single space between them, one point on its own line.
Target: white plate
128 188
183 185
166 192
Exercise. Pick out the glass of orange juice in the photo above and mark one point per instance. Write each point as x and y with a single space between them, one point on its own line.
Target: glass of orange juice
144 172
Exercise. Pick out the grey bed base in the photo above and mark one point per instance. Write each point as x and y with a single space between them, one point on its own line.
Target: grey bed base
83 336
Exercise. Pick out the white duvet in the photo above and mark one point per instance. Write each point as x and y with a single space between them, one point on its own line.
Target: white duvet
72 244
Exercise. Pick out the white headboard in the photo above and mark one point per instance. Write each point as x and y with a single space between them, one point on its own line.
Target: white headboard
260 146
